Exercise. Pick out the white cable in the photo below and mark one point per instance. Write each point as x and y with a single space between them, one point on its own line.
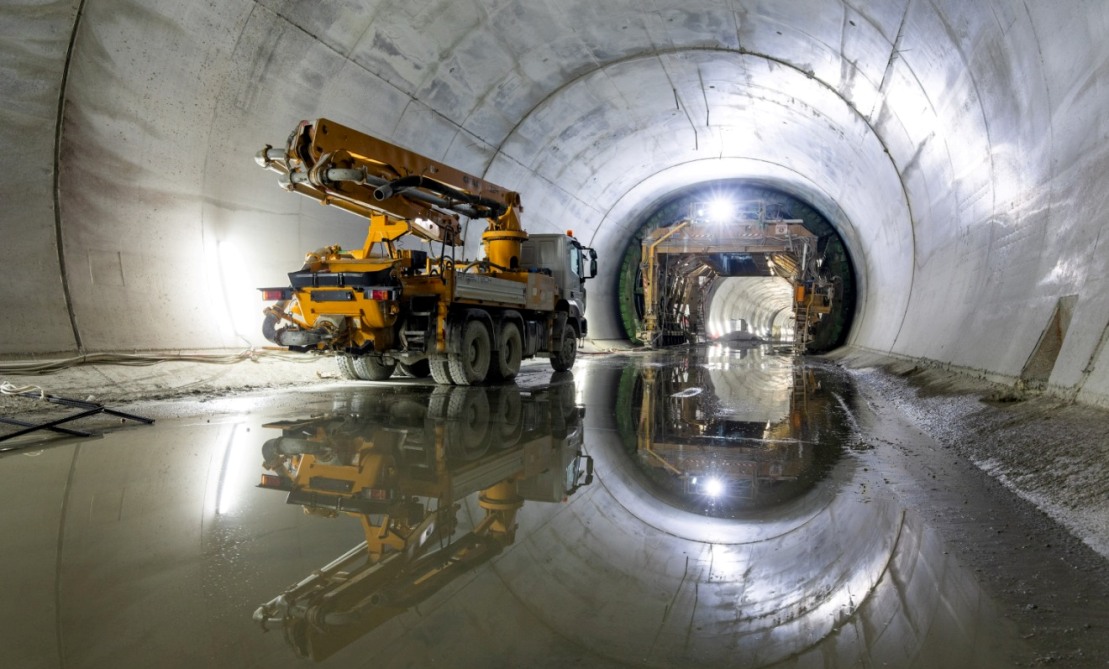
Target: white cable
11 389
138 360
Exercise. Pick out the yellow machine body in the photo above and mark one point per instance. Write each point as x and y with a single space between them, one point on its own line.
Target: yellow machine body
400 305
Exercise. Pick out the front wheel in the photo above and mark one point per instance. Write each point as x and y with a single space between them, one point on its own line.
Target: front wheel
563 358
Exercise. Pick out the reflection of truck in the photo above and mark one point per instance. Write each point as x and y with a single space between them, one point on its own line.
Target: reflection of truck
403 471
383 305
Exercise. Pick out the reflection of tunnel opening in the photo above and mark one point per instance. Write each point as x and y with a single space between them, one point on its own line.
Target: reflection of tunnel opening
734 295
748 419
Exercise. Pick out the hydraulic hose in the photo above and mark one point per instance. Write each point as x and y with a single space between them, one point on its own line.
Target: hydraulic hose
398 186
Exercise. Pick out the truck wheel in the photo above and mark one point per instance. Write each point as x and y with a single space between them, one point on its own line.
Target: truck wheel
506 360
470 366
373 368
506 411
468 428
417 370
345 365
440 369
563 358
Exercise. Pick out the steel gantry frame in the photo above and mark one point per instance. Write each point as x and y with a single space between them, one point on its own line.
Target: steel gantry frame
672 255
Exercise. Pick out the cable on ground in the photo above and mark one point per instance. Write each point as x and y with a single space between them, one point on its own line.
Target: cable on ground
30 367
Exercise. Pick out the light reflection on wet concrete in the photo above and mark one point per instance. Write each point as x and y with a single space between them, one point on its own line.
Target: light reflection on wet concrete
155 547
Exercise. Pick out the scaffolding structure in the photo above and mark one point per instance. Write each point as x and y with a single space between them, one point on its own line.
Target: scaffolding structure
680 261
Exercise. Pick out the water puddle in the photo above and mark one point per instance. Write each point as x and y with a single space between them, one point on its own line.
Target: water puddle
696 507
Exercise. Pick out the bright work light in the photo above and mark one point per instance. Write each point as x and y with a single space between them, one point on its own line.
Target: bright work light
720 210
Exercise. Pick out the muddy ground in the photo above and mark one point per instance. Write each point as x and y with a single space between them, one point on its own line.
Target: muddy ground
1015 485
1050 452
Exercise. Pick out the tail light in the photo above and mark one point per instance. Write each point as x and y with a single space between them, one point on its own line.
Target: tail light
380 294
276 294
275 482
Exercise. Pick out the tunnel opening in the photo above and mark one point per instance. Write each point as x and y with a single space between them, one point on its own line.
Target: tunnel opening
737 260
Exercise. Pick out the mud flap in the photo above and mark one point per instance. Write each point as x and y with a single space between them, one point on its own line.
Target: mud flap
556 332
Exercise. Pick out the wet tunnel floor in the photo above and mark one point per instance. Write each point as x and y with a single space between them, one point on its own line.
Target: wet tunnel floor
709 506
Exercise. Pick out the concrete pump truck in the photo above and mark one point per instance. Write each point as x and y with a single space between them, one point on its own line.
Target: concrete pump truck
384 308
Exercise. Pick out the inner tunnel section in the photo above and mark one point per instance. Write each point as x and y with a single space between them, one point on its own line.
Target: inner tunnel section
737 260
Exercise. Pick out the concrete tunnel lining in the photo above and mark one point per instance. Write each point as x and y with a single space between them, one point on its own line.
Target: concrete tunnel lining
761 302
929 82
933 82
850 157
959 148
164 102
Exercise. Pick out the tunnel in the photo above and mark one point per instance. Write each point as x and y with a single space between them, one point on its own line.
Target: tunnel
956 152
733 288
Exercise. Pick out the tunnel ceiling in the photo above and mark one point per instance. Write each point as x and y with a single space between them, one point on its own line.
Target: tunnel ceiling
957 147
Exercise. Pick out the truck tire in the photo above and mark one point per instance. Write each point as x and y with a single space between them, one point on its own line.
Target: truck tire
506 359
417 370
440 369
345 364
468 428
506 412
373 368
463 415
563 358
471 364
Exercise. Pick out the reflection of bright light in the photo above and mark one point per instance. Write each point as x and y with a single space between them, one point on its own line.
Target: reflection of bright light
714 487
720 210
234 473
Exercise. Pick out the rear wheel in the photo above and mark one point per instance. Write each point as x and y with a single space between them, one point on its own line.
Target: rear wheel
345 364
506 360
563 358
440 369
373 368
471 364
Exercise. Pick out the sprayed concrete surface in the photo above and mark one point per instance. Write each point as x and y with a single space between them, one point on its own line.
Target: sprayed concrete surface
959 149
844 533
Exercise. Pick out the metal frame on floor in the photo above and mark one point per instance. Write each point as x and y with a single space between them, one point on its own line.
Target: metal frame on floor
86 409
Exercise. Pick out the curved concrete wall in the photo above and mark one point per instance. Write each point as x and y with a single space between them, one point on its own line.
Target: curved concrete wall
959 148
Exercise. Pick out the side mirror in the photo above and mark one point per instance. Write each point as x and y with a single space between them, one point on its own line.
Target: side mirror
592 263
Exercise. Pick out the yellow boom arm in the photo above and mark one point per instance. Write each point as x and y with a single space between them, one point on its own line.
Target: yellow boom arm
364 175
